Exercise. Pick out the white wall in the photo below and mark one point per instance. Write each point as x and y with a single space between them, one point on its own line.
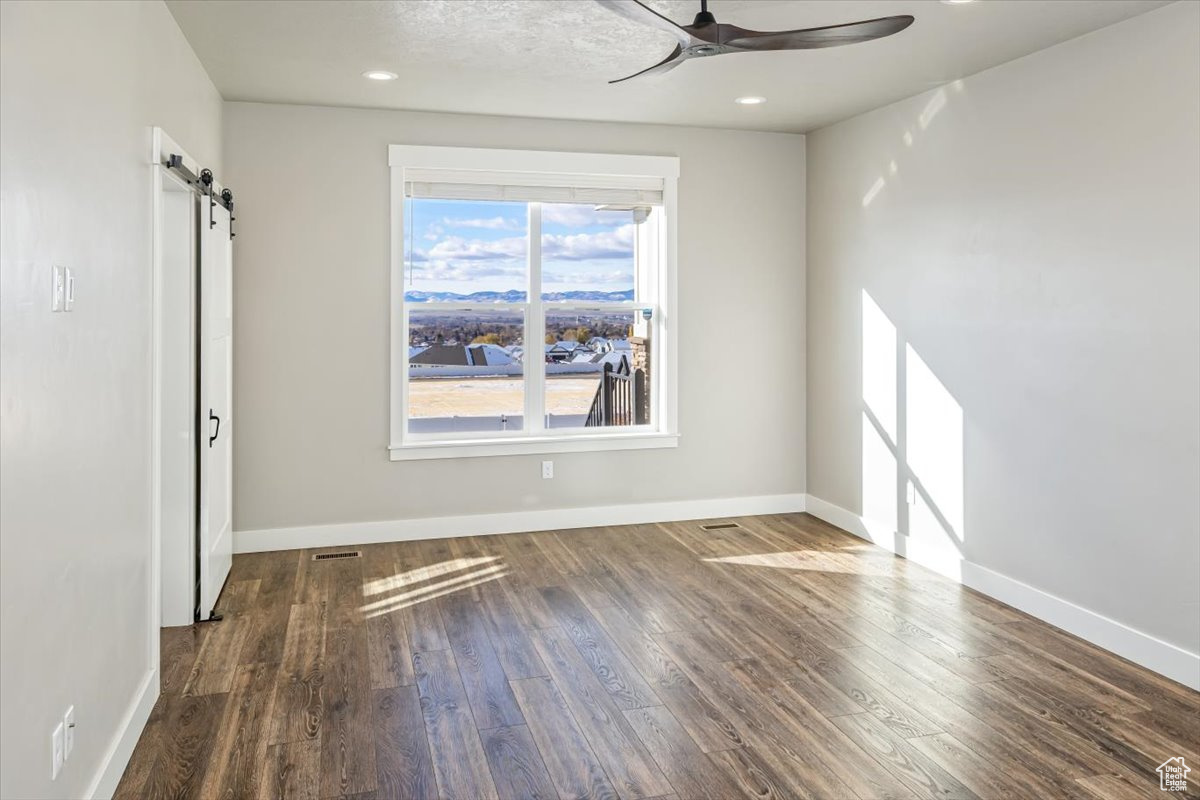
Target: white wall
1032 233
311 322
81 85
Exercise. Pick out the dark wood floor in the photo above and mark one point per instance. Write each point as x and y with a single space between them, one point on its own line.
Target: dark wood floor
779 659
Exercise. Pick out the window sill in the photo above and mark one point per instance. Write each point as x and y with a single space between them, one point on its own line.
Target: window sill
475 448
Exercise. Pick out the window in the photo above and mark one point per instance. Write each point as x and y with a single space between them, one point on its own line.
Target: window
532 302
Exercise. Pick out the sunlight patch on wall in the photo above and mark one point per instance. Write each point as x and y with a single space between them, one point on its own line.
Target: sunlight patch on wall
935 104
934 450
879 365
875 189
878 477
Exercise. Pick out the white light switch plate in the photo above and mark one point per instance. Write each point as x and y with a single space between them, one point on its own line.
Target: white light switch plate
68 732
58 288
69 291
56 751
547 469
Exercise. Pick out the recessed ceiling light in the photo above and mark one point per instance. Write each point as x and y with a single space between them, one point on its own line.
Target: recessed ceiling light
750 100
380 75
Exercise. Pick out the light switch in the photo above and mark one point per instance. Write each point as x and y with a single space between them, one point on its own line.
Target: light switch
69 291
68 732
58 288
56 751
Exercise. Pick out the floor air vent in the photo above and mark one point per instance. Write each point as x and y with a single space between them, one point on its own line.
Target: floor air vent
719 526
332 556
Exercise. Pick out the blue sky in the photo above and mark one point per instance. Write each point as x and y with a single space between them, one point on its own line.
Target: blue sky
466 246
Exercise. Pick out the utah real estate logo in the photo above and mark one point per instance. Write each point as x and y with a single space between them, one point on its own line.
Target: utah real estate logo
1172 775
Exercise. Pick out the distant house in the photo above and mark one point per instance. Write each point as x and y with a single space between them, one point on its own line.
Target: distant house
617 359
600 359
456 355
490 355
602 345
560 352
442 355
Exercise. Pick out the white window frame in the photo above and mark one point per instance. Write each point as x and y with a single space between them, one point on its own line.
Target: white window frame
586 170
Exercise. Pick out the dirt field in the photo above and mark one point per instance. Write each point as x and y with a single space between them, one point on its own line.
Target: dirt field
482 397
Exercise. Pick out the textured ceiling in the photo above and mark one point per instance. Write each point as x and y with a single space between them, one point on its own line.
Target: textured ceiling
553 58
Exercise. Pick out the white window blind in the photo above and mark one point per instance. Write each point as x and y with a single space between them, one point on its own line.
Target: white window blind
533 187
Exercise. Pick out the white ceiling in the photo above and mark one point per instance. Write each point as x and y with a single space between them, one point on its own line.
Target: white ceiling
553 58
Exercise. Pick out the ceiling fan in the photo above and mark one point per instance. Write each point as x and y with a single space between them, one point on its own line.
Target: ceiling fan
707 37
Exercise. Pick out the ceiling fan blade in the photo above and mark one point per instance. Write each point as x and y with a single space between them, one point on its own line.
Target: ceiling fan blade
828 36
669 63
639 12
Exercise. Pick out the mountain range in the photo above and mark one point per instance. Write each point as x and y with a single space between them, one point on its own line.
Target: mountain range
515 296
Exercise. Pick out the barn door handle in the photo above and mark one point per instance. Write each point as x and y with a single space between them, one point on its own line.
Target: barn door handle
211 417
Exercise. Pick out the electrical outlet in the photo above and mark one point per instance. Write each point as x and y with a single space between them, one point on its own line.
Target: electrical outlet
58 288
68 732
56 751
547 469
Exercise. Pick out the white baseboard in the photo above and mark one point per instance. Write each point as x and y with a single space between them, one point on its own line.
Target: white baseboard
112 767
1141 648
350 533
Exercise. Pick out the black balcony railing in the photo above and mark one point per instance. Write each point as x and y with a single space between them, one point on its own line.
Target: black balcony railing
620 398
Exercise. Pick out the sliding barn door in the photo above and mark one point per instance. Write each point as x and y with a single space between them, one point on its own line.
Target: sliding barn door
215 535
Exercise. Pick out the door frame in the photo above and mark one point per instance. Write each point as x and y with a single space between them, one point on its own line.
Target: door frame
162 180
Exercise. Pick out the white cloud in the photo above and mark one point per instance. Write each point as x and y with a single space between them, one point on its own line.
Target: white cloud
585 278
491 223
455 258
616 243
581 215
444 271
456 248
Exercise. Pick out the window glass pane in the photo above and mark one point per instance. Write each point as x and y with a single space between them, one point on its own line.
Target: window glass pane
587 252
597 372
465 250
465 371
